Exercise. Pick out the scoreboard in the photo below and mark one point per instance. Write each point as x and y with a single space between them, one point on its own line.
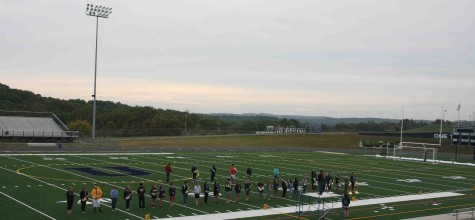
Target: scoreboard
463 136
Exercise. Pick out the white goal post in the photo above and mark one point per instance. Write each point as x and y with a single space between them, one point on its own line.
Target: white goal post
416 151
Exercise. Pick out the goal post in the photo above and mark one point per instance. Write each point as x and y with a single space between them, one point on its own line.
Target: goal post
416 151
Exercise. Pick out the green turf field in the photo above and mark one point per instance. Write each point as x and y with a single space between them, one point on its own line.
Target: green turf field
34 186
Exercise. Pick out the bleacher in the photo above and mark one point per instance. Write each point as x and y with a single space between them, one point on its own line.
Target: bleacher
40 127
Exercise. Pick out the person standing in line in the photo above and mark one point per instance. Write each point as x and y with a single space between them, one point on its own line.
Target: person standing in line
237 188
337 184
353 182
96 194
233 172
84 196
276 172
197 192
249 172
114 196
313 180
213 172
345 202
328 182
153 194
304 184
228 188
296 187
206 190
216 189
321 182
194 172
269 189
171 193
247 188
141 193
290 187
184 192
168 171
276 186
127 197
70 200
260 189
161 195
284 187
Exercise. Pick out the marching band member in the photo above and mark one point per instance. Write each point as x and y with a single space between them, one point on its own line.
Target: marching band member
337 183
213 172
194 172
171 193
69 200
197 191
84 196
184 192
206 188
141 193
329 182
96 194
304 184
313 180
161 195
216 190
153 194
321 182
114 195
127 197
353 181
247 188
233 171
168 170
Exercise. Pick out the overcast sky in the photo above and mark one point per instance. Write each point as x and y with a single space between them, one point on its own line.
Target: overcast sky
354 58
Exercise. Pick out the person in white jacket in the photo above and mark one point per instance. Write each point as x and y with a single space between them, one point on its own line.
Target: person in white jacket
197 192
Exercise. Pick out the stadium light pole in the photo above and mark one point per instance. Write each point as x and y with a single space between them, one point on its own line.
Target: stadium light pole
98 12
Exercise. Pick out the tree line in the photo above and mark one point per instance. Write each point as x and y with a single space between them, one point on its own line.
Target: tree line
111 116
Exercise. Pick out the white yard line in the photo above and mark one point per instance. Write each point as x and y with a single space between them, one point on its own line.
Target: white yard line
36 210
292 209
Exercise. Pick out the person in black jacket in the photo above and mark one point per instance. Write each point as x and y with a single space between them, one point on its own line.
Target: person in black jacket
84 194
213 172
70 199
141 193
127 197
249 172
284 187
184 192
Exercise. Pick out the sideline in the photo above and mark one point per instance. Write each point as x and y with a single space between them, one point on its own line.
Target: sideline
275 211
36 210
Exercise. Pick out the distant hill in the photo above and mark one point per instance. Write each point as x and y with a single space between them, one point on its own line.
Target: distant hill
312 120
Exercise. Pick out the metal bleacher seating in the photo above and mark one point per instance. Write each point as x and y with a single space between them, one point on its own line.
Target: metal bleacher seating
38 129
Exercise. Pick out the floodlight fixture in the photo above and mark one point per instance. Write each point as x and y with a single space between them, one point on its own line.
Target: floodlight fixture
97 11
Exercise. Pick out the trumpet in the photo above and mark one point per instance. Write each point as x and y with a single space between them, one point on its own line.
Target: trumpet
84 199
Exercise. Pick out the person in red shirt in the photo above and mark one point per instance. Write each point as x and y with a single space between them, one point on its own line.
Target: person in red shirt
233 171
168 170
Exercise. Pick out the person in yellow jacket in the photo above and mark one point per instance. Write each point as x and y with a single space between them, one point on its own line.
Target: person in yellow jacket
96 195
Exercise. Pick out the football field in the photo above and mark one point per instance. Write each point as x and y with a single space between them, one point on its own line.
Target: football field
33 186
